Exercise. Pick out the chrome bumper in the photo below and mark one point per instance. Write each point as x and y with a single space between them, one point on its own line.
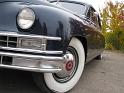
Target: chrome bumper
35 63
44 70
30 59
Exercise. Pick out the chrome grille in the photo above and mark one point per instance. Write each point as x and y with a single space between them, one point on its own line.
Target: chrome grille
5 60
7 41
22 42
26 43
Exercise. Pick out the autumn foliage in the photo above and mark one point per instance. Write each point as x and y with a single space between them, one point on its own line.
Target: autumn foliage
113 25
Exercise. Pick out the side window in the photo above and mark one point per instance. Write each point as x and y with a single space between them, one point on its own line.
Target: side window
93 16
99 22
88 14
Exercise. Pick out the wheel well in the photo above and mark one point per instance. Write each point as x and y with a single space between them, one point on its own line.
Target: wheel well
84 43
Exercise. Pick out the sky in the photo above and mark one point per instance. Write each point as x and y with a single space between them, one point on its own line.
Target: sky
99 3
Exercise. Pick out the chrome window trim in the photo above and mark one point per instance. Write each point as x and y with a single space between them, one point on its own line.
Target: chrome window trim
14 34
31 50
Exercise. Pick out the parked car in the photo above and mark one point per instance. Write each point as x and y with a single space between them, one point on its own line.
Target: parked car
54 40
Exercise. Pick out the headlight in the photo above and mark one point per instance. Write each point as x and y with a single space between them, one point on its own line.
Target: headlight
26 18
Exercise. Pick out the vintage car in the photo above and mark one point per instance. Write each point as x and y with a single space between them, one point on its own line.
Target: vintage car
52 39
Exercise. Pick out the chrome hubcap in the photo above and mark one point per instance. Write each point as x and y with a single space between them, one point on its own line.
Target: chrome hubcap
69 66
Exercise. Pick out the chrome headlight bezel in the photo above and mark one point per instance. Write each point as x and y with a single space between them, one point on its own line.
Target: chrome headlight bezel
26 18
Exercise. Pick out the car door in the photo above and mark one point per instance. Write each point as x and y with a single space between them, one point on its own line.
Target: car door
91 33
100 38
96 39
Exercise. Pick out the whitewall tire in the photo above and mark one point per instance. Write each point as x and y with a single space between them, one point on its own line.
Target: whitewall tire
54 84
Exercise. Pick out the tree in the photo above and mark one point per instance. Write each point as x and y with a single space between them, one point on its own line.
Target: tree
113 24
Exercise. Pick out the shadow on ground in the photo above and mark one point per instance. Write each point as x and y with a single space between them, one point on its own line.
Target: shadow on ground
12 81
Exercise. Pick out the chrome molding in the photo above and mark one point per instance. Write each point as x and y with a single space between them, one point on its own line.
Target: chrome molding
30 56
44 70
31 50
13 34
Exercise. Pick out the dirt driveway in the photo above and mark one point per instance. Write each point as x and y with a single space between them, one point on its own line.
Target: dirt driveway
105 76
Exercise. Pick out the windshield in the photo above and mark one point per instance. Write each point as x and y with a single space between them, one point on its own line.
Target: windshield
74 7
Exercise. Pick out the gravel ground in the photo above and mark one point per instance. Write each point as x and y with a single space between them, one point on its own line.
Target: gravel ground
100 76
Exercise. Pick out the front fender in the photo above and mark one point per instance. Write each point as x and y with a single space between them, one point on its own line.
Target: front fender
57 22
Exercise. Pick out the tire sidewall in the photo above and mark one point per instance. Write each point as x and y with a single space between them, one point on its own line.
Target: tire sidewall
50 81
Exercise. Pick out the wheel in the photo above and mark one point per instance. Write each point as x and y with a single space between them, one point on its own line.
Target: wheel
65 80
99 57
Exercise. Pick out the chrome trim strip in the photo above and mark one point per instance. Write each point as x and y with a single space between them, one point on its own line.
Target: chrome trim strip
31 50
44 70
39 57
13 34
